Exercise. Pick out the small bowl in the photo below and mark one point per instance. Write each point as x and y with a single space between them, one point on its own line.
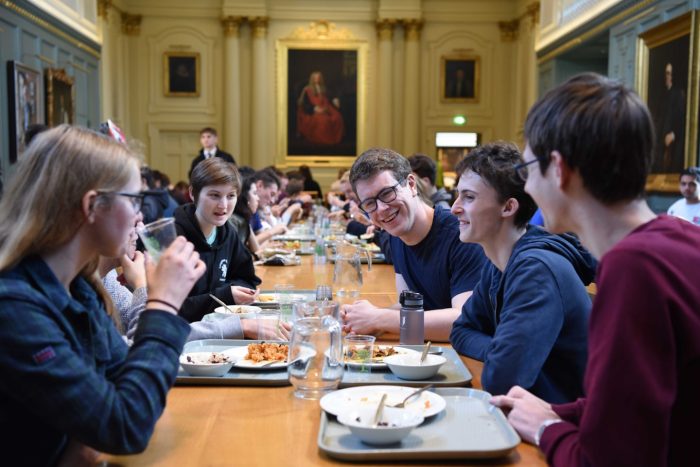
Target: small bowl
395 425
200 367
407 366
242 311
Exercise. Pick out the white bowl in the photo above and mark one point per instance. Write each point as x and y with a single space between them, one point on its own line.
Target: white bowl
198 366
242 311
408 366
395 424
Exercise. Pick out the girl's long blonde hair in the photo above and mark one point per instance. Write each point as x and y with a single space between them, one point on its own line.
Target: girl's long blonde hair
41 209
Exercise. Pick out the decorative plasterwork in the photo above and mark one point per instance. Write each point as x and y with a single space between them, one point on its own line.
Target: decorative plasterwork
259 25
509 29
131 24
385 29
323 30
231 25
413 28
103 7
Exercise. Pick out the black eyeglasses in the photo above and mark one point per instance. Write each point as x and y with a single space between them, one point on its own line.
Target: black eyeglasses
135 198
387 195
523 170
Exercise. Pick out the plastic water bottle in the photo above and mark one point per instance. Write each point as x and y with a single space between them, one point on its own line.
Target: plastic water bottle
411 318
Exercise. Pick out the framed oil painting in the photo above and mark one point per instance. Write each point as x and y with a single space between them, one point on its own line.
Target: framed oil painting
181 74
60 106
321 100
665 65
26 104
459 78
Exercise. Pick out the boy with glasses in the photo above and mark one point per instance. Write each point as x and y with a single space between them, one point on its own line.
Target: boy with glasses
528 316
593 141
425 248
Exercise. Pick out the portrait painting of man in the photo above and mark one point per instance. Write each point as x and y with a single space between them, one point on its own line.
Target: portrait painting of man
322 102
181 74
460 78
26 99
667 95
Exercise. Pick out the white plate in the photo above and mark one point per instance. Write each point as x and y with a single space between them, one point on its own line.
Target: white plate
237 353
242 311
378 364
427 403
273 298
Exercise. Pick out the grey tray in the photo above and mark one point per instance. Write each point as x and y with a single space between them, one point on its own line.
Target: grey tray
308 294
468 428
236 376
452 373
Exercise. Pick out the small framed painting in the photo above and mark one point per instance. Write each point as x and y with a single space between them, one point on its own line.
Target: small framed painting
181 73
26 104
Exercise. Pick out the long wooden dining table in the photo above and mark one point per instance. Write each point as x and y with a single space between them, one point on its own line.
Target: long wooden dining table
268 426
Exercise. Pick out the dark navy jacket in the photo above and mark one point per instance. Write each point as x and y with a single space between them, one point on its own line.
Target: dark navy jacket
529 323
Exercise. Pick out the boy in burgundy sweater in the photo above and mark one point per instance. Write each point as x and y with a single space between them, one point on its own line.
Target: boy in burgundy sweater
589 145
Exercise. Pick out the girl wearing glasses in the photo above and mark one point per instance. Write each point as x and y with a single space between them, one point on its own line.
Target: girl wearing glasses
69 380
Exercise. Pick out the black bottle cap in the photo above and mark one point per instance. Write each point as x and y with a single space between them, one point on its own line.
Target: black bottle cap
411 299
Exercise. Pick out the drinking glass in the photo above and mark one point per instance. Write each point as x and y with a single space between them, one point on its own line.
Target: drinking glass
358 350
315 357
284 297
157 236
316 308
268 324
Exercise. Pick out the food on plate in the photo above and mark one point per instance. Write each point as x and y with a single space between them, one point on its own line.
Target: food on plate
378 353
266 351
292 245
213 358
236 310
366 236
266 298
372 247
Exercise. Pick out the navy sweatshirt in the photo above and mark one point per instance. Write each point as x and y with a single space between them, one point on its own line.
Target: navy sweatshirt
529 323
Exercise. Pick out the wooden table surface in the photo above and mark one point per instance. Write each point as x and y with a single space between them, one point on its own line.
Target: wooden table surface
268 426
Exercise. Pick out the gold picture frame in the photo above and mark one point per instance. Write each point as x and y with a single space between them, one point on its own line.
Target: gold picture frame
460 78
666 75
181 74
60 98
323 124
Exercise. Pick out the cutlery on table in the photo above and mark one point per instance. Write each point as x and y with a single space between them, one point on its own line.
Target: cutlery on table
380 409
402 404
425 352
216 299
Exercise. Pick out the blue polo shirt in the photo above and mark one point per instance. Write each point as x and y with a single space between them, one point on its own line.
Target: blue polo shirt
440 266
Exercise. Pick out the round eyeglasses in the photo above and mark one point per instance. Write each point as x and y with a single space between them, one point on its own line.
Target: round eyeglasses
386 195
523 170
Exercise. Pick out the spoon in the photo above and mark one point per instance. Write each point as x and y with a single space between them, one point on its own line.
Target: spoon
380 409
425 352
402 404
230 310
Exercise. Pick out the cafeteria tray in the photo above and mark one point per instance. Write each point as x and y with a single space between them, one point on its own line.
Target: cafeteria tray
377 258
308 294
295 237
236 376
452 373
468 428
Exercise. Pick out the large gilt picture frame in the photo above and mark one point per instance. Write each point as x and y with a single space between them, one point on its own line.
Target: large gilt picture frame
26 104
667 59
459 78
321 97
60 102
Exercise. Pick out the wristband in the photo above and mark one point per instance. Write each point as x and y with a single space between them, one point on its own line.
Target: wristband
543 425
163 302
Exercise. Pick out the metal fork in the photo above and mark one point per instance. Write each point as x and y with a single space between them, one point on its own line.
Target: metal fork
402 404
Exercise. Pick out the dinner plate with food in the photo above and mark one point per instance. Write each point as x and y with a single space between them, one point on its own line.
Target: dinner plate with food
378 354
260 356
242 311
426 403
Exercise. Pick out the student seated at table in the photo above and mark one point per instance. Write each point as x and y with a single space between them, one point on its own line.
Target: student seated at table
265 227
130 305
70 385
425 248
246 205
589 151
230 276
528 315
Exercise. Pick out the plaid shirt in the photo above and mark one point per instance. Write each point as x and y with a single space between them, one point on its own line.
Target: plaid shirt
67 373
